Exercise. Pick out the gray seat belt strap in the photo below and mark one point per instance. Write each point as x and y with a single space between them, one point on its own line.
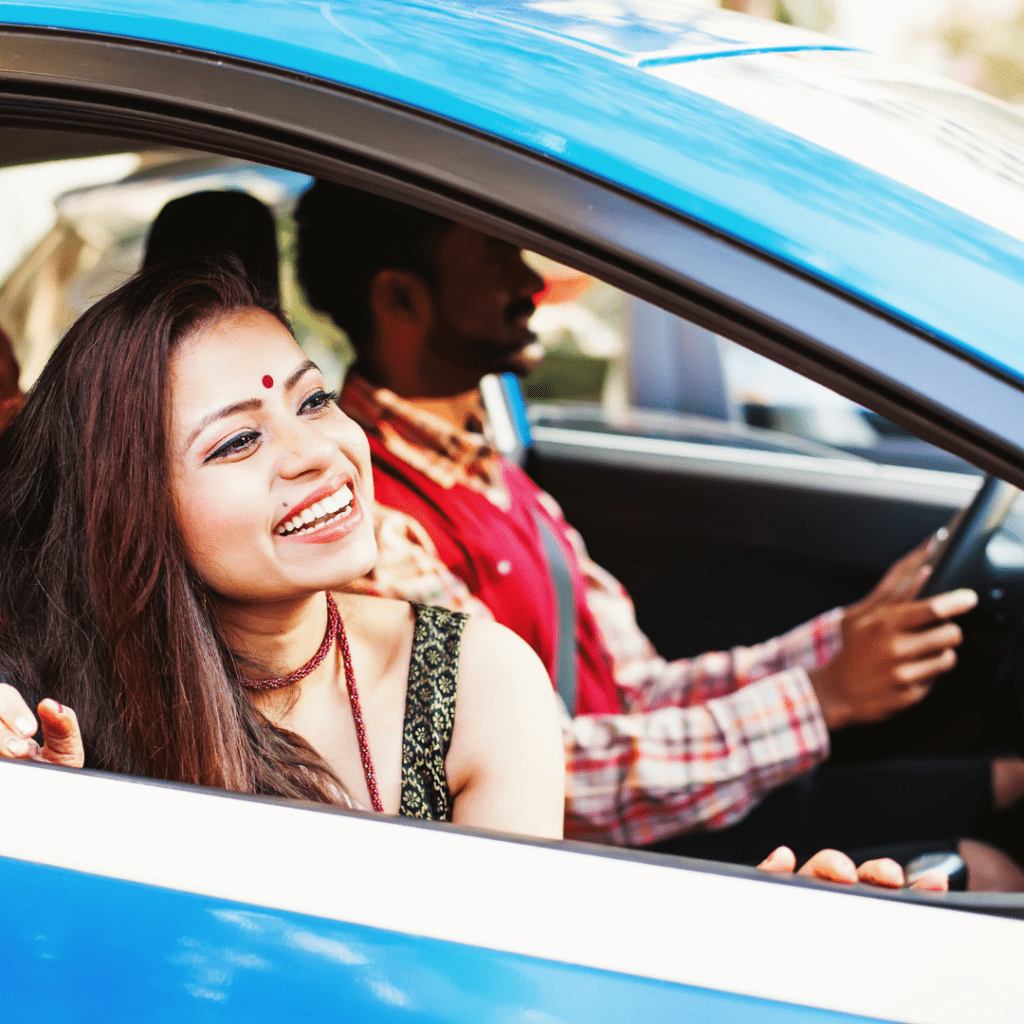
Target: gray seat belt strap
566 598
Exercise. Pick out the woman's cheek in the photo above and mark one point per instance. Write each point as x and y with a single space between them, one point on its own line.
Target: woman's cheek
356 446
219 525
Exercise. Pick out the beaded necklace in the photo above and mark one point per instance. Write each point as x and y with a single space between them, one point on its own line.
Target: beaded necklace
335 630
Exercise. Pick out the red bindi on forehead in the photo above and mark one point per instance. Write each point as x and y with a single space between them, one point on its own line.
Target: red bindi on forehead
268 381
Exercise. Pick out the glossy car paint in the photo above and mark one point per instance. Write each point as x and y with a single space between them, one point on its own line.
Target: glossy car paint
300 907
189 957
549 78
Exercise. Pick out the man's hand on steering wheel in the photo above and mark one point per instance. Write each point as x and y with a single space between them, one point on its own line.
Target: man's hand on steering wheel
893 646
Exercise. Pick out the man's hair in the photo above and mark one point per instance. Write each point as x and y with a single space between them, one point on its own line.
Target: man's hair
210 224
346 237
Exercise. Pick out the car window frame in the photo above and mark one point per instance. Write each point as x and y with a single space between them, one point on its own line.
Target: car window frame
223 105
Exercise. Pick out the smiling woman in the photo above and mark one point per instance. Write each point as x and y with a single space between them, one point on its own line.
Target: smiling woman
182 501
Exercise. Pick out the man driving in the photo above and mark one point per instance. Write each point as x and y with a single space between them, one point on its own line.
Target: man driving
654 748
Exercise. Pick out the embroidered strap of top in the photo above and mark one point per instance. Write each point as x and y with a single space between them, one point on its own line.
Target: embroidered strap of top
430 712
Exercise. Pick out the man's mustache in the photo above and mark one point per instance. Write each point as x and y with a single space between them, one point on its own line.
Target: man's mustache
520 307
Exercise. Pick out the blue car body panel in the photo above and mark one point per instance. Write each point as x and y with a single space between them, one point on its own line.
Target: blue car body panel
160 955
527 75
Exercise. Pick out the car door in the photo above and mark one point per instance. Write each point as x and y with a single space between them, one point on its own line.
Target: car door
135 899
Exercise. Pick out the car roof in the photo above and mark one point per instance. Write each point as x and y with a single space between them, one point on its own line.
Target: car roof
736 123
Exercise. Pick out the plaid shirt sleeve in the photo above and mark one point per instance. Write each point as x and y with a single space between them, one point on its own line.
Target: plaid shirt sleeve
702 739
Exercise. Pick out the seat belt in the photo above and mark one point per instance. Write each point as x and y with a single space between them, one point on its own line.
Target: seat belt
565 595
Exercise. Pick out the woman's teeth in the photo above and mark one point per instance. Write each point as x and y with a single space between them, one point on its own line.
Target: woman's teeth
327 510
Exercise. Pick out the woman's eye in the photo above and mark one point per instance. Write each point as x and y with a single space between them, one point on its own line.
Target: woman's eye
317 401
234 445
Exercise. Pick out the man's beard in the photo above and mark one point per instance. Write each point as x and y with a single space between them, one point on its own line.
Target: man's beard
519 355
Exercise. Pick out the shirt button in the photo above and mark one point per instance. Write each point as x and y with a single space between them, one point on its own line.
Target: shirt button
504 567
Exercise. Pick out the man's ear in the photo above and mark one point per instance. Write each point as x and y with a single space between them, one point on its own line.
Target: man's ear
400 301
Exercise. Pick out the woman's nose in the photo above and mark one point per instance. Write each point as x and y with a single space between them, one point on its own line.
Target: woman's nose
304 449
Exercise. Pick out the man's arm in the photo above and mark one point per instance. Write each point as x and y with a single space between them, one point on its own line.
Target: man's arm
636 778
647 682
865 662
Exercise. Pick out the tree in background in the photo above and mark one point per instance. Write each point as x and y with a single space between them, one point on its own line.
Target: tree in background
813 14
987 53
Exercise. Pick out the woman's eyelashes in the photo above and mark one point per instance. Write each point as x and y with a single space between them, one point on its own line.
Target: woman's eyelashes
318 400
244 441
234 445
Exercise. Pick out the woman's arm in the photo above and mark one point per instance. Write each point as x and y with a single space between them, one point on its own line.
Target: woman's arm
506 763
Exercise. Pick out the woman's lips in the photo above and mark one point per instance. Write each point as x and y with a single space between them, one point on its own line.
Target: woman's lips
335 527
322 506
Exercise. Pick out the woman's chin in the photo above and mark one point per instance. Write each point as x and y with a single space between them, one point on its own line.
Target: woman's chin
294 570
336 569
355 569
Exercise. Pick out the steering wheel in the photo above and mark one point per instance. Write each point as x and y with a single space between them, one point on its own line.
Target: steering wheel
971 532
977 552
984 694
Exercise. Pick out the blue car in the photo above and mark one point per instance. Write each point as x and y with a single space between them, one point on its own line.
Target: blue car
734 183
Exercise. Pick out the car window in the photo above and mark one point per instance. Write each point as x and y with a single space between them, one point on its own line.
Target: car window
613 362
714 553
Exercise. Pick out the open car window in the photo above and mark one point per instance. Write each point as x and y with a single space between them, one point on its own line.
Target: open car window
762 499
615 363
78 229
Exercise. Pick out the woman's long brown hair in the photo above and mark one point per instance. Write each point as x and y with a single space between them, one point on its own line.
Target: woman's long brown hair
98 606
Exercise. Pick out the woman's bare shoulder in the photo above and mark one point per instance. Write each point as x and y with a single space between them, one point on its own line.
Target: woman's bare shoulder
499 669
506 761
491 646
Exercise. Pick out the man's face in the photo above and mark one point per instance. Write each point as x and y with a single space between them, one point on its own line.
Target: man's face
483 305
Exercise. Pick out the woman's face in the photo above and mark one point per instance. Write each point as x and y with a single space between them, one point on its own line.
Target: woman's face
271 481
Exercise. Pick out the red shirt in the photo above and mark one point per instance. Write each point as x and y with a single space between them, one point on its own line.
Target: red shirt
500 556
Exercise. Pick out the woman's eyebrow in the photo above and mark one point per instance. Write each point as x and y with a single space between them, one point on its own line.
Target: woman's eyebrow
294 378
249 405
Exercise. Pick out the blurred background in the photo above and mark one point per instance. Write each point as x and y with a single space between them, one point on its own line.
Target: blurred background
980 43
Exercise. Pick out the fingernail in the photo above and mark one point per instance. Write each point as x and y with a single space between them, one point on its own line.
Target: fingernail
16 746
955 602
25 726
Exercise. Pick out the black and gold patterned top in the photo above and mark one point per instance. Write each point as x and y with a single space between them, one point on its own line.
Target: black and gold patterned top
430 712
